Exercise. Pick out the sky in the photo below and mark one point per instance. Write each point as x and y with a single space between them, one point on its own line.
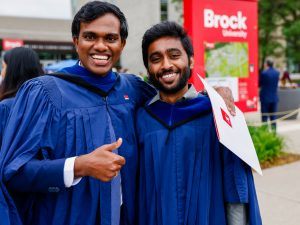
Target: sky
50 9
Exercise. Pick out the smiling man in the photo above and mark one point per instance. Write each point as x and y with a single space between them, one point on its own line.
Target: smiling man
99 49
81 111
186 175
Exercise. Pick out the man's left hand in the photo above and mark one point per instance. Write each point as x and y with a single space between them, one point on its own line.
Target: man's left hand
227 96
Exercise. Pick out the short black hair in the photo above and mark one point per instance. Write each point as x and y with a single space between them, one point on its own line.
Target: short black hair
166 29
22 64
95 9
269 62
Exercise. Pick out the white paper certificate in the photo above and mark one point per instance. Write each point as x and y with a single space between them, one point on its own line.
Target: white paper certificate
232 130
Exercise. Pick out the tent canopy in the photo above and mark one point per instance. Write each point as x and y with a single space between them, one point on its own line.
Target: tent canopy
60 65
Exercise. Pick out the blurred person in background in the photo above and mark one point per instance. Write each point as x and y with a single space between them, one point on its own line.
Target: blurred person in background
285 77
286 81
268 83
18 65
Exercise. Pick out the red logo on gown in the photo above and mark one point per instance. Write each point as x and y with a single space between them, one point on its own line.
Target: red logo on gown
126 97
226 118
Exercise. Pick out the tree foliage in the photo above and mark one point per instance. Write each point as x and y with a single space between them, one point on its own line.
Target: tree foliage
279 20
290 14
268 30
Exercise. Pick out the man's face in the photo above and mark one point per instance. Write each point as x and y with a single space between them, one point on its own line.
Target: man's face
168 65
99 44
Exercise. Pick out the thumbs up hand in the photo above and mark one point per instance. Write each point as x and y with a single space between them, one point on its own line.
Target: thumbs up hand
101 164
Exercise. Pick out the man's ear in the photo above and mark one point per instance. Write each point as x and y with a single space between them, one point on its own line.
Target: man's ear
75 42
191 62
123 44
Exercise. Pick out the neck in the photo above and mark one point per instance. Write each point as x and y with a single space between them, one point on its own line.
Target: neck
90 73
173 97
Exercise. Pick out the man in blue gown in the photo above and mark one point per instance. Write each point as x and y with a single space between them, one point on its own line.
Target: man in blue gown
5 106
186 176
79 112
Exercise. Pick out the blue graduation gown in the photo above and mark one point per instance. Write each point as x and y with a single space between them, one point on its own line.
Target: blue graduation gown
5 106
54 119
186 175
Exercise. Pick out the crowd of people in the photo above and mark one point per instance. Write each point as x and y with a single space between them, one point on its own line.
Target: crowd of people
87 145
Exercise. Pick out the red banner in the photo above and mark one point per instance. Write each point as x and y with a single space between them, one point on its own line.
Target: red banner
11 43
224 35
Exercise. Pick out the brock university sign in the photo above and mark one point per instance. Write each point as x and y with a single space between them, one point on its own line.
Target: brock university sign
224 35
234 25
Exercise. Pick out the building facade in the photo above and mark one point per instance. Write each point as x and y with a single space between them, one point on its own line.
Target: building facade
45 26
41 25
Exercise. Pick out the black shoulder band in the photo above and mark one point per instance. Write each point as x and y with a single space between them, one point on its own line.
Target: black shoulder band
179 123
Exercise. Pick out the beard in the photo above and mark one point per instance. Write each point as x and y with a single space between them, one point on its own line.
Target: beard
184 76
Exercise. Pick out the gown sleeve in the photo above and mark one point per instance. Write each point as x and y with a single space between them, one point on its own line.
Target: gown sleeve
4 113
30 136
239 185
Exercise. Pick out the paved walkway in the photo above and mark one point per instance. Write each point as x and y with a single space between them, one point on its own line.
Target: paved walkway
278 192
278 189
290 130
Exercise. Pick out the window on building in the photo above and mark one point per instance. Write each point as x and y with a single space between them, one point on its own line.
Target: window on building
163 10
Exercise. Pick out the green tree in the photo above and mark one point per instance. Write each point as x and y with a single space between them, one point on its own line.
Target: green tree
268 30
289 12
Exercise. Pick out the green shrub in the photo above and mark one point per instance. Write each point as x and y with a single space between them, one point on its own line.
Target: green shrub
146 79
267 143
